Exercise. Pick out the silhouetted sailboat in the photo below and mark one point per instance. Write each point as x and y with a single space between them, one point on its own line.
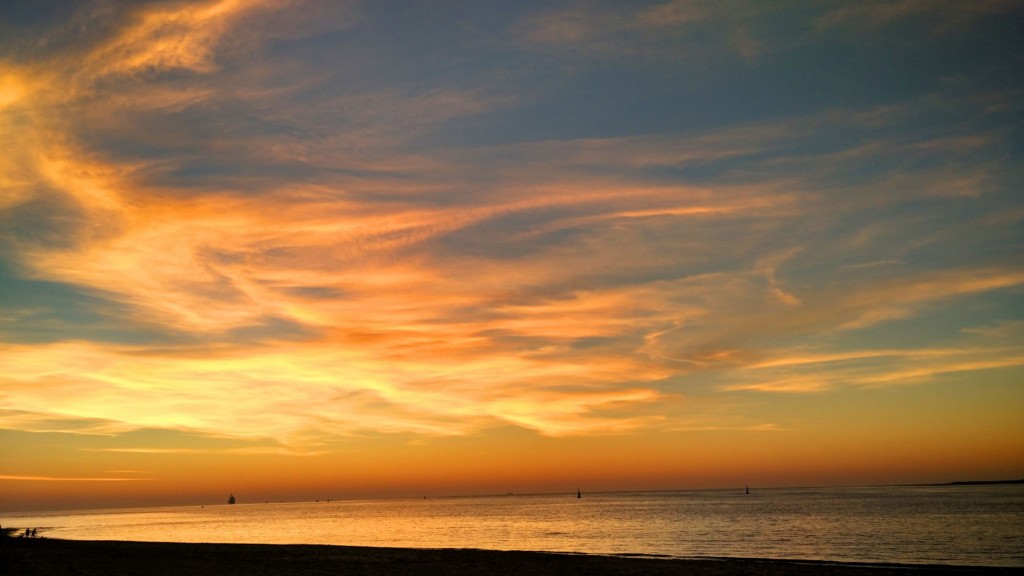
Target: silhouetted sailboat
231 499
579 494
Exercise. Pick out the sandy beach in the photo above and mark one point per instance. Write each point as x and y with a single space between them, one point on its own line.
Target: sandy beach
43 556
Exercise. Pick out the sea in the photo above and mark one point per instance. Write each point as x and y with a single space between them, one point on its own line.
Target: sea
977 525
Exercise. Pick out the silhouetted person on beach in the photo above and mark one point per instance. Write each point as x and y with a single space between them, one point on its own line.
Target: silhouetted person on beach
27 532
33 532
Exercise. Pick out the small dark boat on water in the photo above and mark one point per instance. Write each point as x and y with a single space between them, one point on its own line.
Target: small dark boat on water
231 499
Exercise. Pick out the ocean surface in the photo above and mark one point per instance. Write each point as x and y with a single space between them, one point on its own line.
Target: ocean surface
965 525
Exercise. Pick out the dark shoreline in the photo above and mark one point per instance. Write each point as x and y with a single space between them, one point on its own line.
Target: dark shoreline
967 483
39 556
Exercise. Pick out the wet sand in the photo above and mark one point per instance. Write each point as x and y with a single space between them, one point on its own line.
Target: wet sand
44 556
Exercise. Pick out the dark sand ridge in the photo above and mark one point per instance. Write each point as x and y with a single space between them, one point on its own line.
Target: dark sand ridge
36 557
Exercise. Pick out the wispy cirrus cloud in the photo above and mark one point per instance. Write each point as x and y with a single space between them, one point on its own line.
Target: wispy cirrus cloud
872 368
943 15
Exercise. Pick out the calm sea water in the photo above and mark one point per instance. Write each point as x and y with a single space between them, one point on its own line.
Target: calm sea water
968 525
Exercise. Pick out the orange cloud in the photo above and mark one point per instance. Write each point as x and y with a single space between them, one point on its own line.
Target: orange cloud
16 478
182 36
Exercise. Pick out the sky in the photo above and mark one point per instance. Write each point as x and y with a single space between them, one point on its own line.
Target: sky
302 249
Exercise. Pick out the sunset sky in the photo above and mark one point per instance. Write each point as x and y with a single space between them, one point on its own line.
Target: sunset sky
320 249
